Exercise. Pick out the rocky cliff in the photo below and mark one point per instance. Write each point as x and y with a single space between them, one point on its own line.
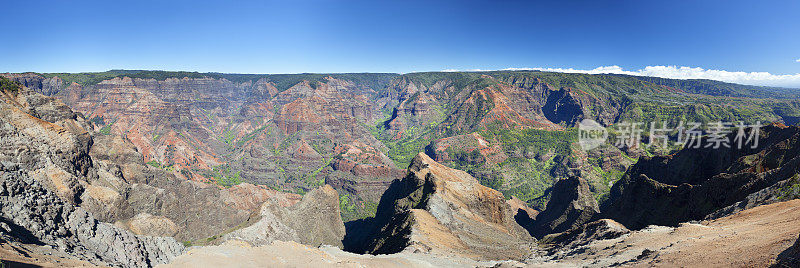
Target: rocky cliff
693 183
314 221
445 211
128 193
571 205
44 169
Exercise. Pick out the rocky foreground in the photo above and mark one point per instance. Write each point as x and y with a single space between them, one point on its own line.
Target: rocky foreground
753 238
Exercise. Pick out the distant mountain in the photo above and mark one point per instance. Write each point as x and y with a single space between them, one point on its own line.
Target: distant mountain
717 88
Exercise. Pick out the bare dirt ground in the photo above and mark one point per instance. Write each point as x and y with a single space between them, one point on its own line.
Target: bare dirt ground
21 255
292 254
751 238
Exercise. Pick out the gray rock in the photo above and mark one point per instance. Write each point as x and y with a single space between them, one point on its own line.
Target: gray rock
781 191
45 169
571 205
585 234
789 257
315 221
36 215
441 210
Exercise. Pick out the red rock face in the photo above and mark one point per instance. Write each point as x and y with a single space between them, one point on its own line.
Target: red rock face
491 153
441 210
164 131
205 129
469 108
364 161
250 197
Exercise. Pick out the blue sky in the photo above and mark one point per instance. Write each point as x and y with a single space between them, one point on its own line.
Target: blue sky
292 36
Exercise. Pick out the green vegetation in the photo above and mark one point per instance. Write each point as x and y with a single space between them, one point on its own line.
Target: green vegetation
86 79
702 111
791 190
345 205
533 140
252 135
376 81
352 209
105 130
717 88
228 135
459 80
6 85
224 176
154 163
403 150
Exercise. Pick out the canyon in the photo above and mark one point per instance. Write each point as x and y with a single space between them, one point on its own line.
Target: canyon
475 169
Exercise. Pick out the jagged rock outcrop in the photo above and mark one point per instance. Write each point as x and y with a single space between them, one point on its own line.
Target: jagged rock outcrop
105 175
523 214
446 211
585 234
571 205
781 191
314 221
693 183
37 216
47 86
44 169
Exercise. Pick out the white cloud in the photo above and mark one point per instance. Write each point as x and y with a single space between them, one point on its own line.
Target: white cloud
470 70
682 72
798 60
